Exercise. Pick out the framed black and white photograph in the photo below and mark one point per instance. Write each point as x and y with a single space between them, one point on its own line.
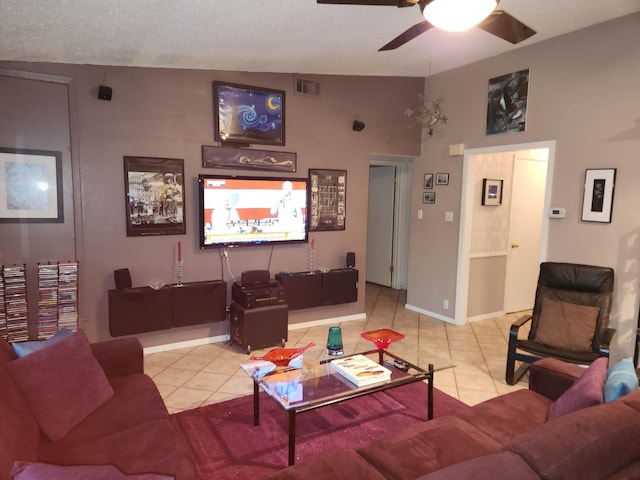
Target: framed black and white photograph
597 203
442 179
244 114
30 186
428 181
328 199
491 192
429 197
507 103
155 195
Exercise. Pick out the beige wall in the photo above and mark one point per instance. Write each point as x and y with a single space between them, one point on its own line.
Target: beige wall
168 113
583 94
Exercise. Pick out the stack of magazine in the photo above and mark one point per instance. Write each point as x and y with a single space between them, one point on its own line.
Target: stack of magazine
361 370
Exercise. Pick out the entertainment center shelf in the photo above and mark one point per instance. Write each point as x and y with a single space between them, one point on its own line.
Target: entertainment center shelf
317 288
143 309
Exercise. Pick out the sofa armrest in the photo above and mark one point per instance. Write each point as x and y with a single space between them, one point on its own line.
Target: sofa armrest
122 356
552 377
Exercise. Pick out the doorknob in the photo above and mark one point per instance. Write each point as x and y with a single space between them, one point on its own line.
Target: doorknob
515 245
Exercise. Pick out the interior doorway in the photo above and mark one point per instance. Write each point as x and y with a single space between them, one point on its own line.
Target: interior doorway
391 233
491 260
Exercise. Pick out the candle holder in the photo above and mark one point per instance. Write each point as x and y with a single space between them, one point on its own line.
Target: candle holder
179 266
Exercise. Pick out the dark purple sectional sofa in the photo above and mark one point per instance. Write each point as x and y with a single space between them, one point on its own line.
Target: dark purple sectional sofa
508 437
131 431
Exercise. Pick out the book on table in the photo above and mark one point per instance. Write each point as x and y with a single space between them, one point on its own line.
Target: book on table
361 370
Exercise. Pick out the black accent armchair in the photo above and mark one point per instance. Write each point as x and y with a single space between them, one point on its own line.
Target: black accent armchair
584 290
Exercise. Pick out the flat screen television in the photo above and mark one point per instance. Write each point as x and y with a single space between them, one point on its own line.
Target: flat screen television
237 211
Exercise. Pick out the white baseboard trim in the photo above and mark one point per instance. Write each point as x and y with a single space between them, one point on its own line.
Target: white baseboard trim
485 316
225 338
437 316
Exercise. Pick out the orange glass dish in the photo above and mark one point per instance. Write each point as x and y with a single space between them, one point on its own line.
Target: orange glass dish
282 356
382 337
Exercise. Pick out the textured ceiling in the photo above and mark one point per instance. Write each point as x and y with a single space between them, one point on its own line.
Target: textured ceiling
292 36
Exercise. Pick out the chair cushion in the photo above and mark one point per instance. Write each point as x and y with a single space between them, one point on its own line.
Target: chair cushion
566 325
621 379
587 391
62 384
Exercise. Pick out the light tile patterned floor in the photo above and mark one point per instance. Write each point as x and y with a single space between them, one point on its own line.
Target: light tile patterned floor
192 377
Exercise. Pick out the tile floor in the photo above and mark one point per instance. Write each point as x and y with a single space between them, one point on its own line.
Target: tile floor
206 374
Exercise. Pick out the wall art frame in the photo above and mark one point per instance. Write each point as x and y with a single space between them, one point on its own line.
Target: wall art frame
154 196
442 179
428 181
507 103
31 186
428 197
245 115
327 200
491 192
597 201
248 159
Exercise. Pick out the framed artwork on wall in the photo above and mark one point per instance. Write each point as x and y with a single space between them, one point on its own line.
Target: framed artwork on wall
30 186
507 103
428 181
491 192
248 159
442 179
597 202
244 115
428 197
154 189
328 200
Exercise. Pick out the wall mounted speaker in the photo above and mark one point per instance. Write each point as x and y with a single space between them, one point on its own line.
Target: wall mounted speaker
351 259
358 126
105 93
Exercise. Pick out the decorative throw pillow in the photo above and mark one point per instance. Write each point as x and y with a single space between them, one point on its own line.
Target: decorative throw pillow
585 392
566 325
46 471
621 379
25 348
62 384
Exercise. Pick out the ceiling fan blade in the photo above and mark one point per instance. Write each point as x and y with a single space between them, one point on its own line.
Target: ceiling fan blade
503 25
404 37
391 3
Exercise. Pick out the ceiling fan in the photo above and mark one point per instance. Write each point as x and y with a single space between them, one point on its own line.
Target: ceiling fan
496 22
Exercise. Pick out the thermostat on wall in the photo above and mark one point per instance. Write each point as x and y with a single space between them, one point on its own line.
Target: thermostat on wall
557 212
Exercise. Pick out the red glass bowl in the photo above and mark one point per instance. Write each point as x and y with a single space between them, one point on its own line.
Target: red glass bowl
382 337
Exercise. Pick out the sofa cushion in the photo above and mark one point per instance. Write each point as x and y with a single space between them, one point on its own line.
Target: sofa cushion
590 444
488 467
621 380
23 349
586 392
62 384
566 325
152 446
507 416
45 471
136 401
428 447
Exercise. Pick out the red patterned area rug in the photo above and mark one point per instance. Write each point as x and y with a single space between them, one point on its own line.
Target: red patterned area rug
227 446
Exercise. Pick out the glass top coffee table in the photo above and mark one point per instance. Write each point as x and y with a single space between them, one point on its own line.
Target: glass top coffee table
319 385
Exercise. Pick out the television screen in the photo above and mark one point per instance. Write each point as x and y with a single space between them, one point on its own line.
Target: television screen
237 211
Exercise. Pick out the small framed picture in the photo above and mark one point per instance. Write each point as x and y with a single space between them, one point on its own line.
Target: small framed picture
597 203
442 179
491 192
429 197
428 181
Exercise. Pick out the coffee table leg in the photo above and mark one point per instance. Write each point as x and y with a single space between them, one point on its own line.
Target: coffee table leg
256 404
292 437
430 393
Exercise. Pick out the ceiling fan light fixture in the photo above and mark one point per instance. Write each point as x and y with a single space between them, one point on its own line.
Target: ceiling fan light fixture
457 15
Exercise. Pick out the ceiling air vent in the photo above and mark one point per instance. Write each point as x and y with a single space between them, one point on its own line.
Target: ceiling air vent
305 86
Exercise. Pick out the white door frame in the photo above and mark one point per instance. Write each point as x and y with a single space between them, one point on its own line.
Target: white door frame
466 217
402 212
